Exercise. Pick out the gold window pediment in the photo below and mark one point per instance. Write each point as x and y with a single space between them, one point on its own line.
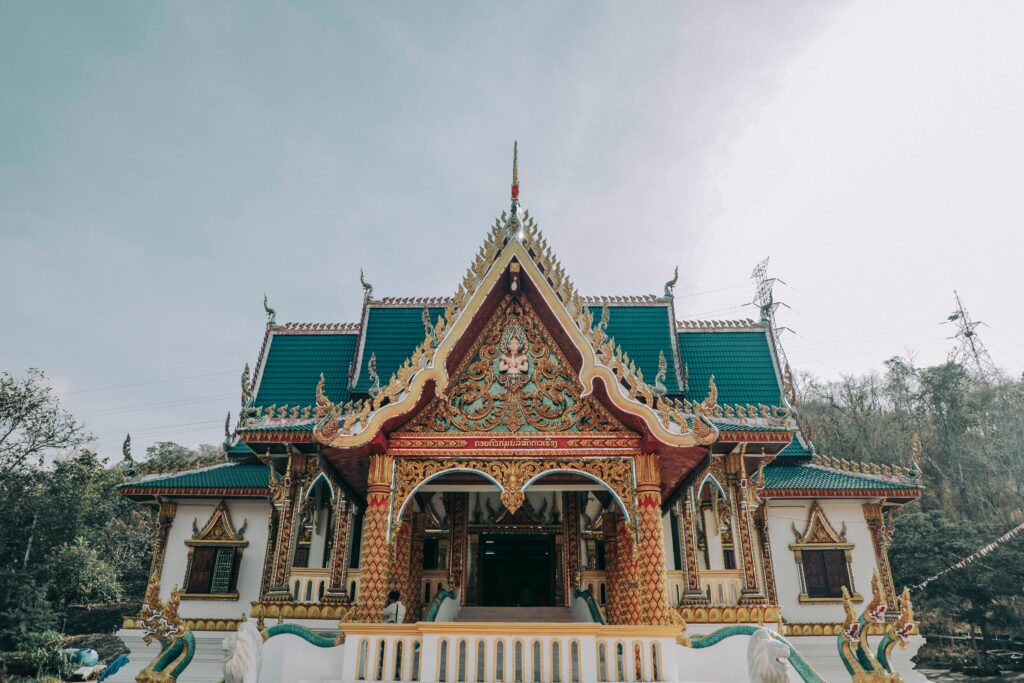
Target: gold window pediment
218 530
819 531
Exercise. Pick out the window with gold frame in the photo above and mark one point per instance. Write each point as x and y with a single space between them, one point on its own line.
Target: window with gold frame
214 557
824 560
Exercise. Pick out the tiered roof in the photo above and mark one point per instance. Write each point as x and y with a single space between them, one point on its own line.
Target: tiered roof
672 363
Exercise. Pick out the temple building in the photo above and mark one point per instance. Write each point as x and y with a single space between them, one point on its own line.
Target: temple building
561 488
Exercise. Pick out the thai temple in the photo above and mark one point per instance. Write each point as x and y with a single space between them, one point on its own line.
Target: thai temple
560 488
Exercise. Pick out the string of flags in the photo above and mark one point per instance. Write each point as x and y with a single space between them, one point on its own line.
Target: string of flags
971 558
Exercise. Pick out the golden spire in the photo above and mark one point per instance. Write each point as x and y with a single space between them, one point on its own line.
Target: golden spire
515 173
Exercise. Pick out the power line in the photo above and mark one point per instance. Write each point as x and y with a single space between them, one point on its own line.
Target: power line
150 406
156 381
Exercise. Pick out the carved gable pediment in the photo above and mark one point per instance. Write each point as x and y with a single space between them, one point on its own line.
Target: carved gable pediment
819 531
514 379
218 530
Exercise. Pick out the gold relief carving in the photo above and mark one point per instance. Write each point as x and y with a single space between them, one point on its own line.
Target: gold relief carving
647 471
515 378
753 614
511 476
219 530
819 531
380 470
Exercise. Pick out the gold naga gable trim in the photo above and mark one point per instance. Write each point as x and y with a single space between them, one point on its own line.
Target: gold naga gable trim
356 424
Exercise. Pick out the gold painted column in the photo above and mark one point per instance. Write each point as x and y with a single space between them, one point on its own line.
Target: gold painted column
336 591
611 581
160 530
412 594
881 535
571 534
745 499
761 522
688 538
287 498
650 555
375 557
457 548
401 539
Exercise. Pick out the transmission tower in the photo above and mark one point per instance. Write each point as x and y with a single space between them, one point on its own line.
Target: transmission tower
764 299
970 350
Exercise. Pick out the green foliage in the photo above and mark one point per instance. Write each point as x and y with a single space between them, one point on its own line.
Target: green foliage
24 610
972 434
32 423
45 653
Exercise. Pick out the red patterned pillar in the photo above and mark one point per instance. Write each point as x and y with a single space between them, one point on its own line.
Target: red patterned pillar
650 556
336 591
374 558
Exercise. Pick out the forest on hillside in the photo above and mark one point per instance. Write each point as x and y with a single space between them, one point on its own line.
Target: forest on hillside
74 555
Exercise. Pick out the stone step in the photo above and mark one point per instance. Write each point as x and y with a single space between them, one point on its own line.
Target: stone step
515 614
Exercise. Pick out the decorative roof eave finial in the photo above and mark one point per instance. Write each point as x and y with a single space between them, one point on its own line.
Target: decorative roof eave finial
126 449
367 287
670 286
271 313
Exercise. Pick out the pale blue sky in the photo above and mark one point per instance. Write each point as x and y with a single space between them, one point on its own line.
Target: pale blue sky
164 164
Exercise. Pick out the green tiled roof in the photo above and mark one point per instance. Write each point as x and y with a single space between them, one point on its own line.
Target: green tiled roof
806 476
239 450
392 334
741 362
293 365
643 332
247 475
795 449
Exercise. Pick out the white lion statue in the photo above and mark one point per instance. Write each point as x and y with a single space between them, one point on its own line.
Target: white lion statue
767 658
243 649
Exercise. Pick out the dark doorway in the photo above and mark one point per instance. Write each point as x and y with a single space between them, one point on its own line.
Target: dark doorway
517 570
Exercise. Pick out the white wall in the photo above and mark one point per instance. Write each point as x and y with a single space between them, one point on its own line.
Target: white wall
782 515
255 515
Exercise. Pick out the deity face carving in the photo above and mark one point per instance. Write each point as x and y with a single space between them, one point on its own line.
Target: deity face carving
513 361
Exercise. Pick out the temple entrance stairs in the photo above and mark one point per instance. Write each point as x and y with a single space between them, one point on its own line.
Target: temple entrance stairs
515 614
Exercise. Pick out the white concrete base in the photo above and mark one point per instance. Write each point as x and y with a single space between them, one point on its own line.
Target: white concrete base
290 659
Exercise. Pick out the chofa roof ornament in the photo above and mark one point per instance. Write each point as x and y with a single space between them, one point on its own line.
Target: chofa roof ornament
514 224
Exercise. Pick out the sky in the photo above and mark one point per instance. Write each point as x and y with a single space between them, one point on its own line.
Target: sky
162 165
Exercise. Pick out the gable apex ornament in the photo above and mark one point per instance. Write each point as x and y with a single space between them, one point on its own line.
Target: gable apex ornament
670 286
271 313
367 287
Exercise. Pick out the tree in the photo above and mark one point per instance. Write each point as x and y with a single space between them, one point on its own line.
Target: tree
32 422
